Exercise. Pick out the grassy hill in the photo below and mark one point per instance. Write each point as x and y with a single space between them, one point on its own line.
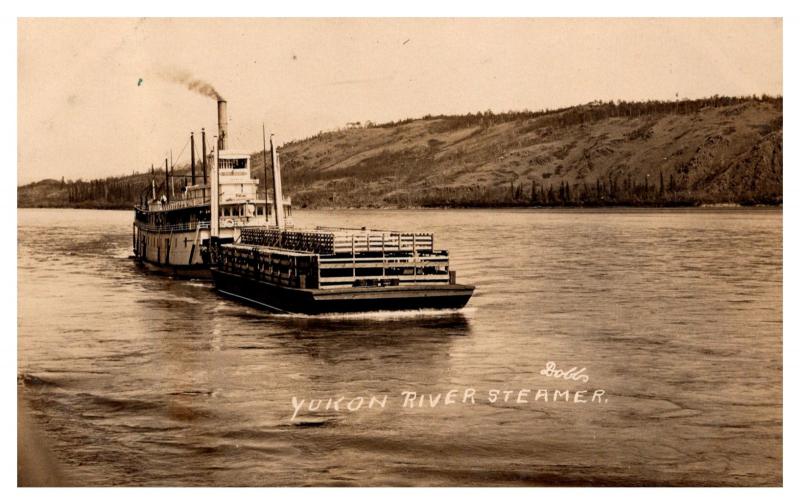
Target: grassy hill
714 150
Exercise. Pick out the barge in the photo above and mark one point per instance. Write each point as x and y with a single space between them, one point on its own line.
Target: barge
337 270
285 269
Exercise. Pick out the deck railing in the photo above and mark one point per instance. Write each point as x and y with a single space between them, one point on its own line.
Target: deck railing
161 206
175 205
173 228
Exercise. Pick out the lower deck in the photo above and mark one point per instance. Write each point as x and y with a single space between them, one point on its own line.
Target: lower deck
171 248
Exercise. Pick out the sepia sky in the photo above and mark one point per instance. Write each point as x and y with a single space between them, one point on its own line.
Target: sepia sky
99 97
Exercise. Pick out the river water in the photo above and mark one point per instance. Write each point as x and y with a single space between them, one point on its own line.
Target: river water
673 319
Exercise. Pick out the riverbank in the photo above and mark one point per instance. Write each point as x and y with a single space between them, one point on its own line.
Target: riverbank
655 154
467 207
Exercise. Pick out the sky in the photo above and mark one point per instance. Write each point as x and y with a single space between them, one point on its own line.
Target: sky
101 97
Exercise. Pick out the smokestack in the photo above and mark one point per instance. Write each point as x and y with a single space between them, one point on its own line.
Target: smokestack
222 122
191 137
205 156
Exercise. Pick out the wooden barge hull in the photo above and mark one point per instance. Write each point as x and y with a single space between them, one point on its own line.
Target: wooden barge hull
282 299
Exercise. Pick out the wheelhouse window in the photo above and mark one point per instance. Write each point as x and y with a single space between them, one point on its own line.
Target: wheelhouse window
235 164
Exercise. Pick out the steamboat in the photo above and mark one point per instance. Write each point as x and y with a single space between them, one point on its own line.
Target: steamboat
255 254
171 230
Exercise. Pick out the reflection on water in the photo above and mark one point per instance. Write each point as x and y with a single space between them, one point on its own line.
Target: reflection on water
676 315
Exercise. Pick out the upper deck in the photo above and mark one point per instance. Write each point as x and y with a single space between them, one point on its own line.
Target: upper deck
201 197
239 199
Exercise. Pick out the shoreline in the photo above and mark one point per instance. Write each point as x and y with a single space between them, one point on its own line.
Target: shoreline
700 206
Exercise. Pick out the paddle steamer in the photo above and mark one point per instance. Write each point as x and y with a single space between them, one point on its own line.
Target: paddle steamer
225 228
171 229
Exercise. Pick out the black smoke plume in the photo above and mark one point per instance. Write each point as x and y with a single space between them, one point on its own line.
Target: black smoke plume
192 83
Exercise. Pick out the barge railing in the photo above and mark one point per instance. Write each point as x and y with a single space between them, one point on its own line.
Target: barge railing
329 258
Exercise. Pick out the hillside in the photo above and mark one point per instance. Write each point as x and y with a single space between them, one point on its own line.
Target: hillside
716 150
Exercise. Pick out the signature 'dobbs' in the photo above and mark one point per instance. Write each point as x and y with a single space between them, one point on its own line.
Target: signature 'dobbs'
573 373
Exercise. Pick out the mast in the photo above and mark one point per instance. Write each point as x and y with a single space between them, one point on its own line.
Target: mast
264 157
166 178
153 179
205 156
222 126
191 138
276 182
215 196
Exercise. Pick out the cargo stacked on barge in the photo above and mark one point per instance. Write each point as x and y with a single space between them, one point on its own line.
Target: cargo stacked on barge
338 270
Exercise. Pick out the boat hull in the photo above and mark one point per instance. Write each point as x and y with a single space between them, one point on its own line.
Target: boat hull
178 254
182 271
281 299
177 249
